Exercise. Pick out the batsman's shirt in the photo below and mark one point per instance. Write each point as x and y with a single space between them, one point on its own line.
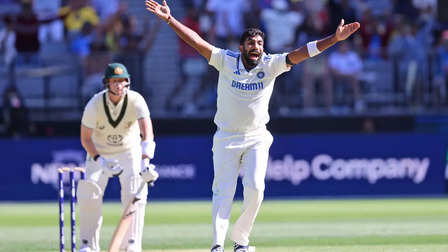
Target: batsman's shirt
243 97
115 127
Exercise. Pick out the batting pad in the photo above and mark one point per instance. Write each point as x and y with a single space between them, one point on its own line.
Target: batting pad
135 231
90 199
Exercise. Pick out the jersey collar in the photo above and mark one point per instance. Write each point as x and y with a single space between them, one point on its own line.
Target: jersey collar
112 122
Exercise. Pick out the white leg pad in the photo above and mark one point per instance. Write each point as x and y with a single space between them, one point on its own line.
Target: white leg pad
133 238
90 199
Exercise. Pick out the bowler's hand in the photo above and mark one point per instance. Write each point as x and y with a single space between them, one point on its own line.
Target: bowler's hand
344 31
110 167
148 173
162 11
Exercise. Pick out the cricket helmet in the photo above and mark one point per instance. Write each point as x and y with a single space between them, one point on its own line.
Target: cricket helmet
115 70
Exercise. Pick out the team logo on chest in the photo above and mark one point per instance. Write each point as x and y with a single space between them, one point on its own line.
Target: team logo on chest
260 75
115 140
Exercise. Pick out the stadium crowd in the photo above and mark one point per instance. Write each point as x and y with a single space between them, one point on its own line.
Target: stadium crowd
398 59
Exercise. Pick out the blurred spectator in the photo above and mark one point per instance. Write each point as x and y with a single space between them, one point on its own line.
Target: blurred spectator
410 56
439 71
228 21
26 27
105 8
15 113
380 8
94 64
426 24
205 96
7 42
341 9
345 67
192 68
80 43
424 4
252 15
405 8
187 4
52 31
131 46
315 6
281 24
76 13
121 28
375 34
315 70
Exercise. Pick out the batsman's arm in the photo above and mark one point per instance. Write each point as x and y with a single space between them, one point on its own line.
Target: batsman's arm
147 135
86 141
313 48
186 34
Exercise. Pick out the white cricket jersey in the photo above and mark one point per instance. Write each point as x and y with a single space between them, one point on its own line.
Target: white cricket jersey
115 127
243 97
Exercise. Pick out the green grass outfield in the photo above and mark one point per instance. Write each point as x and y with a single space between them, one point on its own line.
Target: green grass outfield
293 225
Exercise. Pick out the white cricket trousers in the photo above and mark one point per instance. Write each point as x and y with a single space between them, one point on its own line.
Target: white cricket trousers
233 152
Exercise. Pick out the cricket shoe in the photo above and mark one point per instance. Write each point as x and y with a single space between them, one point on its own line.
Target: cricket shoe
133 247
240 248
217 248
85 249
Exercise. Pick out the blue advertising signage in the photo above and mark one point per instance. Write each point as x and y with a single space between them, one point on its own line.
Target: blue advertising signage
299 165
380 164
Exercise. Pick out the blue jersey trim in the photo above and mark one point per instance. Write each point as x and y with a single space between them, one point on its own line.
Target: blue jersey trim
232 54
238 65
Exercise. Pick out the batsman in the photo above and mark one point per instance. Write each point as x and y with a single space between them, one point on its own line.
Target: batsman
117 134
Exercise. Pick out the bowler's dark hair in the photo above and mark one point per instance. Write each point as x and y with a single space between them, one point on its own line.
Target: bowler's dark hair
251 32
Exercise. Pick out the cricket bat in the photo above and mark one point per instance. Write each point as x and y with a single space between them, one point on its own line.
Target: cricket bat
125 221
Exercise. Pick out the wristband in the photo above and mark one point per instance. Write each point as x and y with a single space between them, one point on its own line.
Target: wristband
148 148
96 157
145 162
168 21
312 48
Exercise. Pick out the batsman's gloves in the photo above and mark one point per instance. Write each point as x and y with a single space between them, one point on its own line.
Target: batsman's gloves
110 167
148 173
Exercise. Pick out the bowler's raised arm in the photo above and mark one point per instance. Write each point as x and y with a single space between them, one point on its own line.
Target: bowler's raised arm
313 48
186 34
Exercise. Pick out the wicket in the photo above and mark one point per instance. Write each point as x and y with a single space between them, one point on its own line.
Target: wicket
71 171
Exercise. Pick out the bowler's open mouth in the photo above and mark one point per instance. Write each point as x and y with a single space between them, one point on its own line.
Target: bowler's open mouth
254 55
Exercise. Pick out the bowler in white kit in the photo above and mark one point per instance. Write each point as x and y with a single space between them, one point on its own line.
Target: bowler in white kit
117 134
242 142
